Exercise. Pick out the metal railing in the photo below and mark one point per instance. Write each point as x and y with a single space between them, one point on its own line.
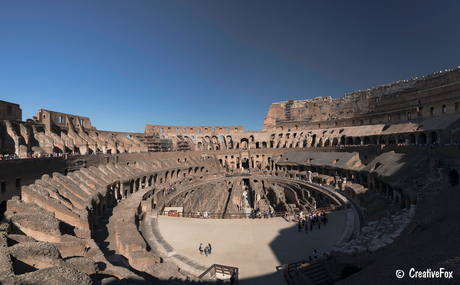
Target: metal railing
284 214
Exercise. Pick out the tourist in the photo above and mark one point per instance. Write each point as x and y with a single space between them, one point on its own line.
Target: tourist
206 251
209 248
315 254
310 259
201 248
267 214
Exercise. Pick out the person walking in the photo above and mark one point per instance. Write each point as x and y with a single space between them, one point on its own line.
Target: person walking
200 248
206 251
209 248
315 254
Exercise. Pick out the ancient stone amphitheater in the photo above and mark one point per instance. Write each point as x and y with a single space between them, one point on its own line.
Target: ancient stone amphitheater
79 205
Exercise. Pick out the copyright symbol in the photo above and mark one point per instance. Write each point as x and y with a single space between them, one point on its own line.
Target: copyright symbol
399 273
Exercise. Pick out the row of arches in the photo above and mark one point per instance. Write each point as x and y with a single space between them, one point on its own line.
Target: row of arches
302 140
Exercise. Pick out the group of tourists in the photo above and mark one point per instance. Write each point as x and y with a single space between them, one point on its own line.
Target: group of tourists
206 250
311 220
259 214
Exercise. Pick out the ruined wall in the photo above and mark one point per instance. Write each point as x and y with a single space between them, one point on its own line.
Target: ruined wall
432 95
10 111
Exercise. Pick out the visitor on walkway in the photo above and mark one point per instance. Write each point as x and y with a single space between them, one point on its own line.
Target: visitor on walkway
310 259
315 254
206 251
201 248
209 248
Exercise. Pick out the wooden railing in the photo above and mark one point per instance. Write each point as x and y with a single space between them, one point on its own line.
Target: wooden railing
224 270
289 269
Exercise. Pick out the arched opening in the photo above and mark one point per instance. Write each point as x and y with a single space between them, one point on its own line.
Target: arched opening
244 143
335 142
433 137
357 141
374 140
411 139
349 141
383 140
366 141
348 271
245 163
453 177
391 140
6 142
422 138
401 139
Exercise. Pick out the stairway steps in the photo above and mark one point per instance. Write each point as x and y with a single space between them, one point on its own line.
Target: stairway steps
316 272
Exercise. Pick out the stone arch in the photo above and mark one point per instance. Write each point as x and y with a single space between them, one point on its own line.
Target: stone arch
244 143
382 140
401 139
349 141
357 141
313 141
422 138
453 177
373 139
348 271
335 142
408 201
391 140
411 139
366 141
6 141
433 138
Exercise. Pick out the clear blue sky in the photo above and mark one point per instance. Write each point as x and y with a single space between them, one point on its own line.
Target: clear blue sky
125 64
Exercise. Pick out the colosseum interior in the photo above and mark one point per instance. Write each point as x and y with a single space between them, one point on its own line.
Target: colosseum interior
388 157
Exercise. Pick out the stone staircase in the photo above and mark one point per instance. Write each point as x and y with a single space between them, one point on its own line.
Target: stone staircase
316 272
